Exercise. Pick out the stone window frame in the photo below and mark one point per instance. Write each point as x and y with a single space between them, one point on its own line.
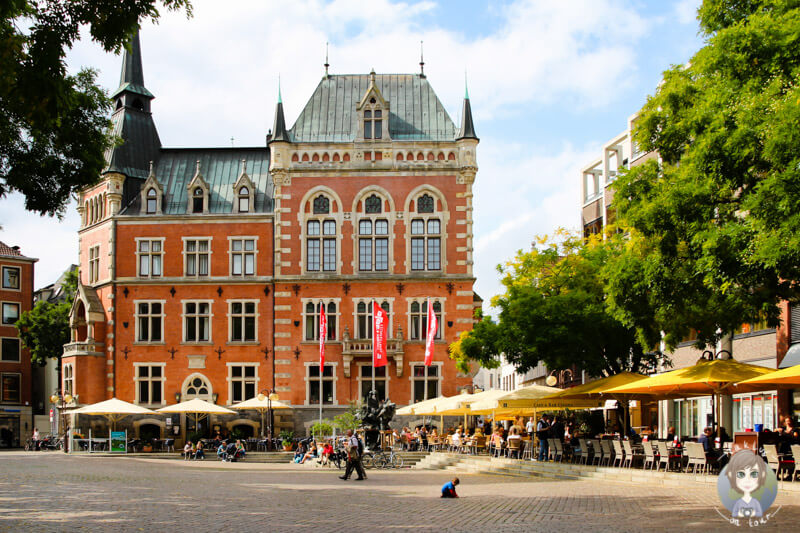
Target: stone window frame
230 316
413 379
162 379
3 279
150 253
3 305
94 263
3 389
440 211
232 381
308 379
316 301
2 352
196 253
360 379
442 318
359 213
368 302
68 379
197 315
188 381
137 316
243 253
306 214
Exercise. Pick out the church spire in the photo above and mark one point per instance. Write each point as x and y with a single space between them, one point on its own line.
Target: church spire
131 78
279 132
467 130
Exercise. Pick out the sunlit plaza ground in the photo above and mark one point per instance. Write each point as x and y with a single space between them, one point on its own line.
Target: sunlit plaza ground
53 492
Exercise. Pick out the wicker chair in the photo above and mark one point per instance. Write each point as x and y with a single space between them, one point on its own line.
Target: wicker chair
514 447
619 455
649 455
605 445
583 455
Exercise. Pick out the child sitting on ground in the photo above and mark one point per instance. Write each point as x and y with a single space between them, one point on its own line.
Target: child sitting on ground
187 451
449 489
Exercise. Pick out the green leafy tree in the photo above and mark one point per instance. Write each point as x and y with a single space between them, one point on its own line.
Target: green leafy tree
715 224
349 419
54 127
321 429
554 312
44 330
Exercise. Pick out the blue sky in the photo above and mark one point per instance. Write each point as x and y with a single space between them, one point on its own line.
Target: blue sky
549 83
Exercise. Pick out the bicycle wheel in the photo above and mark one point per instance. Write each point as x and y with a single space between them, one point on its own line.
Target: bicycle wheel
28 445
368 460
381 461
396 461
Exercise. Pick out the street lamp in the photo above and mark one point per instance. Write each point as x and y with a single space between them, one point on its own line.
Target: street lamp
60 402
270 396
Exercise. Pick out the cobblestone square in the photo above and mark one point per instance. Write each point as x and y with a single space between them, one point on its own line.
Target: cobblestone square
54 492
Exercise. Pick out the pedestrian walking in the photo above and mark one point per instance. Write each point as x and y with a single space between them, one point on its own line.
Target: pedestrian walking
354 451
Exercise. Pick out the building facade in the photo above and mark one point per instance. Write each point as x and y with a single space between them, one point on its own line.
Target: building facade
16 297
752 343
203 270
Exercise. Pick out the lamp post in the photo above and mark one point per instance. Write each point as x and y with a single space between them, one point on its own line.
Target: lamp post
60 402
270 396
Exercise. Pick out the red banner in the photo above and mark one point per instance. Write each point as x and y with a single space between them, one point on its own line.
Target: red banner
323 334
380 326
429 338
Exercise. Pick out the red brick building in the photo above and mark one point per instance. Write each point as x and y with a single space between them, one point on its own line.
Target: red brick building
16 297
203 270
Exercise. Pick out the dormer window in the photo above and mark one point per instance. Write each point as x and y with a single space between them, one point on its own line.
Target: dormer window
373 121
244 200
152 201
197 200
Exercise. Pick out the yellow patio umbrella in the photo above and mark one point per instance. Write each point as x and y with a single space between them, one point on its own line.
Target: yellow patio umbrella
786 377
114 410
200 409
459 405
713 377
516 398
425 407
262 403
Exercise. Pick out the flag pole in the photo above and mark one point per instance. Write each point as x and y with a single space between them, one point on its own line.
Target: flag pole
372 310
322 365
425 367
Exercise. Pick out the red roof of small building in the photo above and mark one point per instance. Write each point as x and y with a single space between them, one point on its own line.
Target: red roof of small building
11 251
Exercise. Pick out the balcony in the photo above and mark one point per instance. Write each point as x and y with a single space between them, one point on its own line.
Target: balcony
87 347
362 348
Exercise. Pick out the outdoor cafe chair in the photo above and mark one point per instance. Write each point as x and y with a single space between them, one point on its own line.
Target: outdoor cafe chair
584 451
551 449
597 451
527 452
605 446
619 455
630 455
697 457
796 456
514 446
665 457
559 450
649 455
776 461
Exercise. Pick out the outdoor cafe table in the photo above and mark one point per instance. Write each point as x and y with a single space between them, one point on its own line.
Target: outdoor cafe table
97 444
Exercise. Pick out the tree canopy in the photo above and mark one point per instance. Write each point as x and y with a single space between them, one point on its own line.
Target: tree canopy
715 224
54 127
44 330
553 311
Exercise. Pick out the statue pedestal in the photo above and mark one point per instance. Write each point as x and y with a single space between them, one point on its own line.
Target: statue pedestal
372 439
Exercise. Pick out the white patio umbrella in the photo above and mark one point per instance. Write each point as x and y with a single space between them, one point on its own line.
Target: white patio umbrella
113 409
196 407
261 403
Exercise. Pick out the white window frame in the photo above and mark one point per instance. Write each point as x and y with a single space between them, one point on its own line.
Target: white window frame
19 351
368 302
360 379
68 379
424 315
425 237
3 278
412 379
243 253
322 238
136 316
137 380
151 254
441 212
308 381
94 263
2 313
188 382
196 253
326 301
3 392
232 381
230 317
196 316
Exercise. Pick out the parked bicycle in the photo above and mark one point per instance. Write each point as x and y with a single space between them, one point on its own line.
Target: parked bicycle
382 459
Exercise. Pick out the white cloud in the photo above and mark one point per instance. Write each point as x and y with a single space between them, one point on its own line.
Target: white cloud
686 11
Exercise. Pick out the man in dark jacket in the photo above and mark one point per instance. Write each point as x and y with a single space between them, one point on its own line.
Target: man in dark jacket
543 433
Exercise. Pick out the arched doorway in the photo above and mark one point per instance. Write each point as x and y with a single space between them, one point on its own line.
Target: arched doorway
197 386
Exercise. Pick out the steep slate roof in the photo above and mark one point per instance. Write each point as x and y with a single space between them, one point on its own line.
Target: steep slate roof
220 168
415 112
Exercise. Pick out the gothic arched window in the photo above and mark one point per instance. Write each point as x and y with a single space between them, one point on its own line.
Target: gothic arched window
322 205
425 204
373 204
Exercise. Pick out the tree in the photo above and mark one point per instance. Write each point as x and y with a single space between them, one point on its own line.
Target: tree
554 312
54 127
715 225
44 330
349 419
